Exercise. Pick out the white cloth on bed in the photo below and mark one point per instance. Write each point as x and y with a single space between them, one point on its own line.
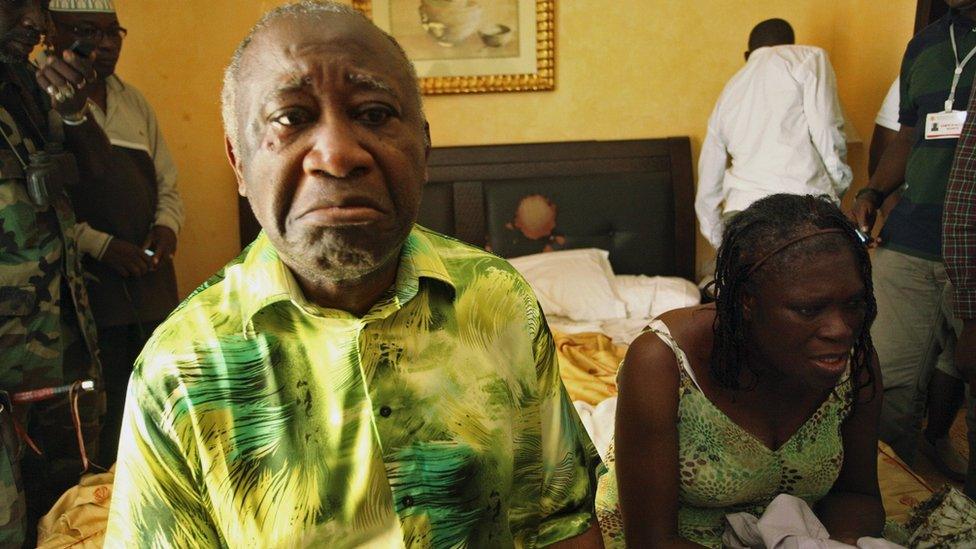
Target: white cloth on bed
646 297
787 523
598 421
650 296
780 122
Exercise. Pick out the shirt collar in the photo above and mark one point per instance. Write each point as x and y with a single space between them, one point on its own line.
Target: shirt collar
266 280
113 87
114 84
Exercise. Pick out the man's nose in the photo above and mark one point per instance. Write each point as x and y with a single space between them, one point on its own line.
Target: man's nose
337 150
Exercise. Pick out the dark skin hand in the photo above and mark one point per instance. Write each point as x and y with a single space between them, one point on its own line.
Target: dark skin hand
75 75
889 175
127 259
646 437
130 260
70 74
162 241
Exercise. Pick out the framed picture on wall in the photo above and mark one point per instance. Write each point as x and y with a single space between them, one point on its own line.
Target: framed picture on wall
467 46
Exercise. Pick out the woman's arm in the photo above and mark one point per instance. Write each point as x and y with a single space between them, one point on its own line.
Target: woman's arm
853 507
646 445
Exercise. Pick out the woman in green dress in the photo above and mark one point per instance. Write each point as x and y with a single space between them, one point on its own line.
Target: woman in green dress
773 389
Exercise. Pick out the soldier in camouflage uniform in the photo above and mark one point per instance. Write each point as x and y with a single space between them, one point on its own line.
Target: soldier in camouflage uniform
47 335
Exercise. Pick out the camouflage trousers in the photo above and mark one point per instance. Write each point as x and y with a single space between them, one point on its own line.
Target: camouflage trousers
30 484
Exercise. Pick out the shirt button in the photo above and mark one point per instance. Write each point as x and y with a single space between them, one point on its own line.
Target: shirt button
408 501
385 411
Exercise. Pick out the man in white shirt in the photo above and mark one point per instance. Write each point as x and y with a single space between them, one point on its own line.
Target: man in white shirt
886 126
132 214
780 123
888 114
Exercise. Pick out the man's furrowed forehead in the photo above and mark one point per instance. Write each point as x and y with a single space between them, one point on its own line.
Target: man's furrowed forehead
295 48
308 77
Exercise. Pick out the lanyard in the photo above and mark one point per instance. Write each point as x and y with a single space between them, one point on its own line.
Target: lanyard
959 67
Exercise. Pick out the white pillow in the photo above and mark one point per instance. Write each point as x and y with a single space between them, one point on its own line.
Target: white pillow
650 296
577 284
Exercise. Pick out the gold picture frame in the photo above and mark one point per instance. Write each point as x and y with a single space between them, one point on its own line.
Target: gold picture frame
471 46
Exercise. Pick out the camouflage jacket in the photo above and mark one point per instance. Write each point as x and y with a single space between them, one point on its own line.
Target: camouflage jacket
37 248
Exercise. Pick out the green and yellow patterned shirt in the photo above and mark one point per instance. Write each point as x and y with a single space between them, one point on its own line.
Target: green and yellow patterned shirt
258 419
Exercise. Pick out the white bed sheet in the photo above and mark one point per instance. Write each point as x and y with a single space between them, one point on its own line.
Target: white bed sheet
598 421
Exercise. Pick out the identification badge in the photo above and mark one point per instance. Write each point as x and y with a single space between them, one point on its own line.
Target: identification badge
944 125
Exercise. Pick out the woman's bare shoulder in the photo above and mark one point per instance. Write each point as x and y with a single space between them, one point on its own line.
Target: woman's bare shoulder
691 327
650 361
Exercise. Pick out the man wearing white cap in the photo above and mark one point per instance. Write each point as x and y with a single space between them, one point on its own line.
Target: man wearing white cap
133 217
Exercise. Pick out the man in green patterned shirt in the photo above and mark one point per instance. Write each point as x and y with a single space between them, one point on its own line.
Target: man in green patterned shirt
351 379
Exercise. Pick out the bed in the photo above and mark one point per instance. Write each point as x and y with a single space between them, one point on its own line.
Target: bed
616 215
634 199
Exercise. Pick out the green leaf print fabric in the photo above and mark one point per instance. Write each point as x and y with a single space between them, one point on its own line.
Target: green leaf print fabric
257 419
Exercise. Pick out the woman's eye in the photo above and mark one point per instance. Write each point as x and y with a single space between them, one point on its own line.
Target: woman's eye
375 115
807 312
290 118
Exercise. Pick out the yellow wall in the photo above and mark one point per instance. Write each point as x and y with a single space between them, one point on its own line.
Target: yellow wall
625 69
869 40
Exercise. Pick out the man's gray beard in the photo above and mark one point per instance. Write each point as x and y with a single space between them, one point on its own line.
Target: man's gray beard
334 259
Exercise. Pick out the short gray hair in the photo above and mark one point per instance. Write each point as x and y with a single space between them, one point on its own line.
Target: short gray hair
303 8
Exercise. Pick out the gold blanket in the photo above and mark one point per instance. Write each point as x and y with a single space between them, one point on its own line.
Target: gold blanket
588 364
79 518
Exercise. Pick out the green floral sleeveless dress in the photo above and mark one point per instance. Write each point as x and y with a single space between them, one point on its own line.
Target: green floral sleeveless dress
724 469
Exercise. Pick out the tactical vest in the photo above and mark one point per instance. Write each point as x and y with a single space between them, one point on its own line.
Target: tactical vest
40 264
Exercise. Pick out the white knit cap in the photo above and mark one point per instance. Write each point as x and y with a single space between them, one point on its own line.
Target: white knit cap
83 6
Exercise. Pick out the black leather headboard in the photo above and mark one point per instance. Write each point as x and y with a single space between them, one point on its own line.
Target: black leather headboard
634 198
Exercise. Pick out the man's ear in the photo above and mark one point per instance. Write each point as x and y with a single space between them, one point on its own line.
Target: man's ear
235 164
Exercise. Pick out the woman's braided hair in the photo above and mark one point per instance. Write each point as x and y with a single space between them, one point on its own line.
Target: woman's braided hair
748 238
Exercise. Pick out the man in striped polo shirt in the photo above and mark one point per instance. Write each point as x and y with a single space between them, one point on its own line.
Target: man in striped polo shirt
915 332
